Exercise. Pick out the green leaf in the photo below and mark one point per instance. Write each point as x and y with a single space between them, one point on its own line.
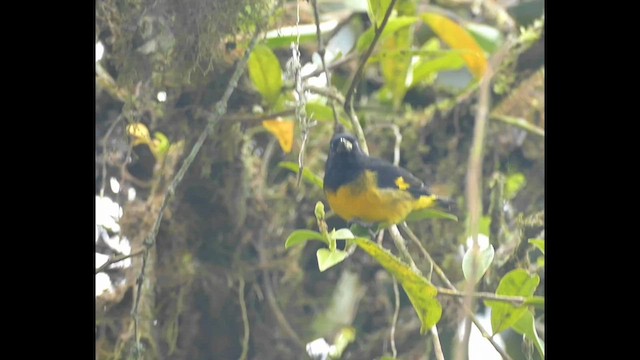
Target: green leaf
279 42
426 69
342 234
393 25
323 113
306 173
430 214
526 326
515 183
327 258
482 262
265 73
377 9
515 283
302 236
539 243
396 67
489 38
420 291
320 112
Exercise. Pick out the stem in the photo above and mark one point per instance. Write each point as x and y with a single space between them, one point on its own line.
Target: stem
321 52
515 300
394 321
519 122
363 59
245 320
348 104
444 278
437 347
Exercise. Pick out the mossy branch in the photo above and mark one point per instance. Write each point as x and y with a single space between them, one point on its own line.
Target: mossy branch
220 110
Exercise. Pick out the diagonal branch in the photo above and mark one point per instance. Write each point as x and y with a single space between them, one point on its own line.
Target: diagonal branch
220 110
114 259
365 56
357 77
445 279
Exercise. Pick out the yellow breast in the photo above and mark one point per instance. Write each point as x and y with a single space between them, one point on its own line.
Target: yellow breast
362 200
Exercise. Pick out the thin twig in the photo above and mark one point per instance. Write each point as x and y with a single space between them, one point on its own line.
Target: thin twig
295 68
331 93
394 321
365 56
220 110
245 319
331 66
321 52
115 259
445 279
348 104
437 347
273 305
515 300
271 298
519 122
474 172
134 311
401 245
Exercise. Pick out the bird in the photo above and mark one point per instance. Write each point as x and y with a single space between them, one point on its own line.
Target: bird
361 188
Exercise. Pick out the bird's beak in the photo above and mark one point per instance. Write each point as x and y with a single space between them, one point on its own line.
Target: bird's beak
346 145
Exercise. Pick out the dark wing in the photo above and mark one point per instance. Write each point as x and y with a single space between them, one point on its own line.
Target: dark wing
391 176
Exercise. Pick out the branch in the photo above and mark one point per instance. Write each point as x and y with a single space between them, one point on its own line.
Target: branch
394 321
280 318
245 320
271 298
515 300
220 110
474 172
328 92
321 52
444 278
363 59
437 347
519 122
331 66
348 104
115 259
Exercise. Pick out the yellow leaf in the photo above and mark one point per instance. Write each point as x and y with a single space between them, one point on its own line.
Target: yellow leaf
139 133
421 293
458 38
283 131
